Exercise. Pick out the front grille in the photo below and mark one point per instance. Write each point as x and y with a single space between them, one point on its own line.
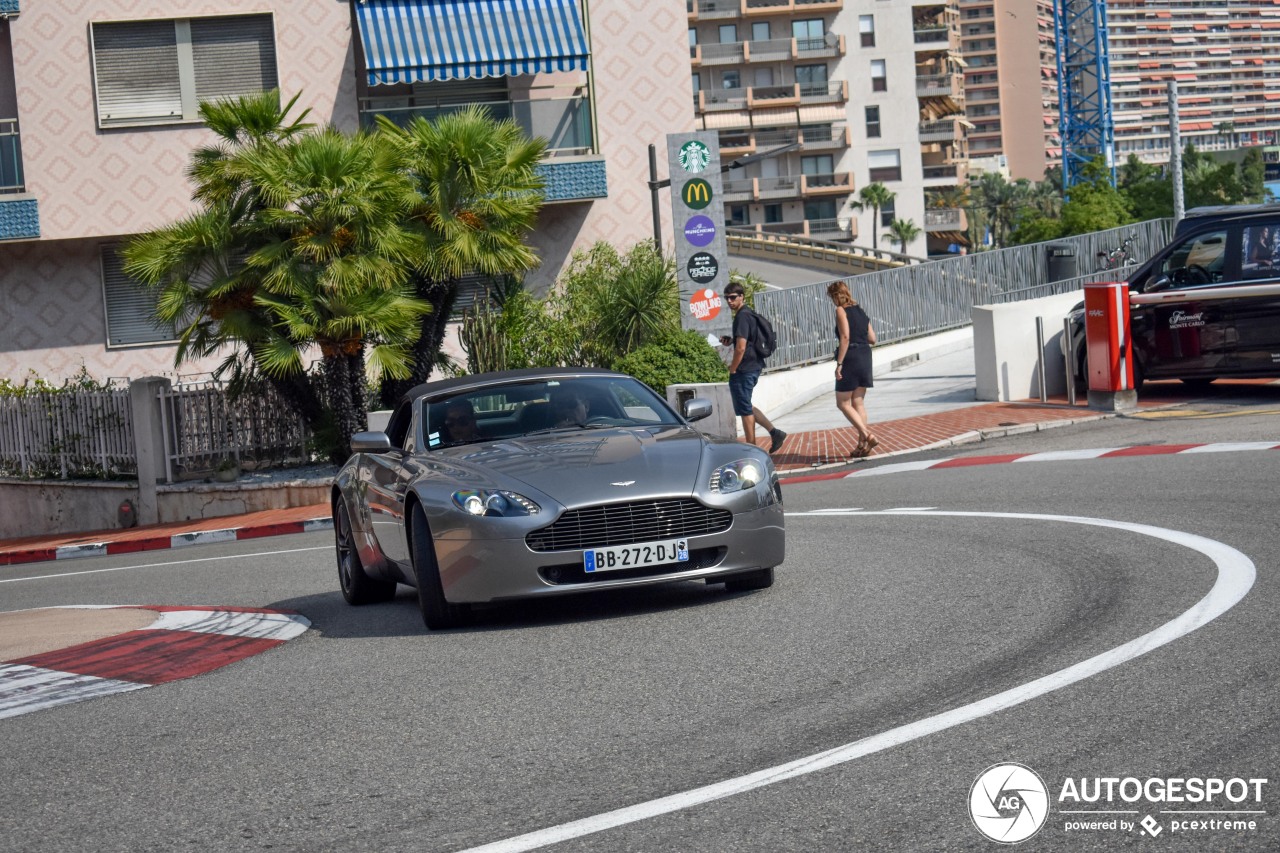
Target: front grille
626 524
573 573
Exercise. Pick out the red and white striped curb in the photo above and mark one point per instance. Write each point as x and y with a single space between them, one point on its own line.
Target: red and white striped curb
1047 456
182 642
158 543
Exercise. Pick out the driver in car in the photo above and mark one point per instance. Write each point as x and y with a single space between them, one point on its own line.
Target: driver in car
570 407
460 421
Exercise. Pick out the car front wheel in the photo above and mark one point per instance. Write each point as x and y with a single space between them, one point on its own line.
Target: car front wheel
437 613
357 587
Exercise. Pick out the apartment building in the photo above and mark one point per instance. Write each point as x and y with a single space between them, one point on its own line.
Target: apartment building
854 92
98 121
1225 57
1011 83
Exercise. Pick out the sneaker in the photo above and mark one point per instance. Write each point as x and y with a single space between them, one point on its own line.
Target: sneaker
777 436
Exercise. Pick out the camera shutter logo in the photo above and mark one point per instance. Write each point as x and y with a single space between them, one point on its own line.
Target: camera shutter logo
1008 803
696 193
694 156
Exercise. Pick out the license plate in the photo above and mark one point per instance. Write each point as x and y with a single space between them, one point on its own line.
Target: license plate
635 556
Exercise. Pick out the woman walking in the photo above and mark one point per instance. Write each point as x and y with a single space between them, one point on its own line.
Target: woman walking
853 364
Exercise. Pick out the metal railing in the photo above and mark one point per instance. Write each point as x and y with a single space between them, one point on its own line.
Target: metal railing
917 299
64 434
564 122
11 179
204 428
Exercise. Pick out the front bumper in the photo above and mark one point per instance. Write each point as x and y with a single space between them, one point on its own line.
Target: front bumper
475 571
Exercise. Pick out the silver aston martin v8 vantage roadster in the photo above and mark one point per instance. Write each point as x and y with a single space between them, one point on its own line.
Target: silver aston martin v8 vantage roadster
541 482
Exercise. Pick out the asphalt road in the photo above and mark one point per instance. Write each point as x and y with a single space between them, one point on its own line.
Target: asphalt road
367 733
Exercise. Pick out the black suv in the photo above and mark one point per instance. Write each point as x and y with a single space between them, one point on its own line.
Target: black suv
1199 340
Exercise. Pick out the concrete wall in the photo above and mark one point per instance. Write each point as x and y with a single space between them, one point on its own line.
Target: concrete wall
1004 347
45 507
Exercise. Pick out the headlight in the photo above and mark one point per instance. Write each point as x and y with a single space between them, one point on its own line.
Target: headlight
497 503
737 476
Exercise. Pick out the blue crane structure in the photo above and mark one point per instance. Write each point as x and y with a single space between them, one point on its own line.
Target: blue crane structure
1084 87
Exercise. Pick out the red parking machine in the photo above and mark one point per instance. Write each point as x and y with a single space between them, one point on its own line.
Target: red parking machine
1107 342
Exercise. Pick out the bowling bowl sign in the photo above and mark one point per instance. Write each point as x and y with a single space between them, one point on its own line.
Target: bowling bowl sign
697 214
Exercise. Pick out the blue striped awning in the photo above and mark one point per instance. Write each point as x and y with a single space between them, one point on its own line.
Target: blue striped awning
407 41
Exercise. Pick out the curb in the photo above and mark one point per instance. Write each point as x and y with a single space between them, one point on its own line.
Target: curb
158 543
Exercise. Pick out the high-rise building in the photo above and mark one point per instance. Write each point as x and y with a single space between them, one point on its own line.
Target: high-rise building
1010 82
864 92
1225 57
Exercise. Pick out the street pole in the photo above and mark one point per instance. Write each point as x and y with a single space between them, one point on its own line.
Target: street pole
1175 155
653 197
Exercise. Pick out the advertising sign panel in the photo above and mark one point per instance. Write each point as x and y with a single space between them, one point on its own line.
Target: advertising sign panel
697 214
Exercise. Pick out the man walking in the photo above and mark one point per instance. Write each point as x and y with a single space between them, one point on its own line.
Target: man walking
744 370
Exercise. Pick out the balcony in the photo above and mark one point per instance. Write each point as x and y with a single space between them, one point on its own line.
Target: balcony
833 92
571 169
705 10
931 34
783 7
730 53
564 122
839 183
943 130
828 47
945 219
946 175
939 86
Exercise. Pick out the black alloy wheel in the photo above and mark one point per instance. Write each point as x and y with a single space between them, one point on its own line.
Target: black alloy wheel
357 587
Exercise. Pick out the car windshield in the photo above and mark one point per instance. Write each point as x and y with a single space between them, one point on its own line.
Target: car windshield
529 407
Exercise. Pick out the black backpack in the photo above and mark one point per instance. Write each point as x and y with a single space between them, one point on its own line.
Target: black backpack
766 341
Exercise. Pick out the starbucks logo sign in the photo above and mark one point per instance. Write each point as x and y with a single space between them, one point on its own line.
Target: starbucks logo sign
694 156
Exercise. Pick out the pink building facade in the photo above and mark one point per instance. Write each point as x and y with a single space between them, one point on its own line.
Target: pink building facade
94 148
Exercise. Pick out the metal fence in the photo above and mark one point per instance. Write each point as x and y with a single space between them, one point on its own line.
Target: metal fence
67 434
921 299
204 430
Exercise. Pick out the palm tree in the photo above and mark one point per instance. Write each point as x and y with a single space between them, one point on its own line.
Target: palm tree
478 195
902 231
874 196
302 241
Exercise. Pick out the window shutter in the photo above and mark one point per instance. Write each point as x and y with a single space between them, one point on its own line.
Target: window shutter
130 306
136 64
233 56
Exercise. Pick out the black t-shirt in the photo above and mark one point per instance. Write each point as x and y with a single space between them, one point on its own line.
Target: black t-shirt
744 326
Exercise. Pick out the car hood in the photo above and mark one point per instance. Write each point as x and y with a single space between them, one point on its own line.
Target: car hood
591 466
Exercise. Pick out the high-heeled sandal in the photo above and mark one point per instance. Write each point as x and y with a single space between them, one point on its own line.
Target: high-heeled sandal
860 451
871 443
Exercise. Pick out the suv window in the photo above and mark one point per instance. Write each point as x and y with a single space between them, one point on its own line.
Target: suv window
1197 260
1259 252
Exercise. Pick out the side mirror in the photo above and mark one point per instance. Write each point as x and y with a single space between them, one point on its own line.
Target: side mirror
370 442
697 409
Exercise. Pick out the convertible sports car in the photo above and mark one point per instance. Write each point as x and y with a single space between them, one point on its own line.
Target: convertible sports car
541 482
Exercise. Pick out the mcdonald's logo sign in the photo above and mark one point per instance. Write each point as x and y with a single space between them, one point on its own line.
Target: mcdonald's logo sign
696 193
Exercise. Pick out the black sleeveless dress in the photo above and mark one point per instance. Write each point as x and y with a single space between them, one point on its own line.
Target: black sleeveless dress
855 370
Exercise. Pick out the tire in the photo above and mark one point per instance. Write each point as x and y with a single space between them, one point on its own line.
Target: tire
357 587
437 613
1197 383
747 581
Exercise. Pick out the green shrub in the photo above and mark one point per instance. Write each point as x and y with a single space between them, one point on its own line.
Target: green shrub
678 359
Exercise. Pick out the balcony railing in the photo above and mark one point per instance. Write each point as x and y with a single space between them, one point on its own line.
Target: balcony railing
11 180
731 53
564 122
933 85
926 35
714 8
952 171
944 219
939 131
768 50
834 91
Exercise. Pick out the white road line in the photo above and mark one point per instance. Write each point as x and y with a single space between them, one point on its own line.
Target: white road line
1236 574
167 563
898 467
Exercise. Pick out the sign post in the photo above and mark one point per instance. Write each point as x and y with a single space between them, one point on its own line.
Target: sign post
697 213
